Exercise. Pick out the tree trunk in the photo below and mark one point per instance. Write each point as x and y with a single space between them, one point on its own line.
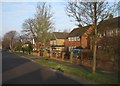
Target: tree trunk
37 46
94 58
95 40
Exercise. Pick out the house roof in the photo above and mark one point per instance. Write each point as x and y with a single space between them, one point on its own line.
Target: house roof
78 31
109 24
59 35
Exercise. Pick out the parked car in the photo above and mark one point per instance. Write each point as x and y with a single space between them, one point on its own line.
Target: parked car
76 52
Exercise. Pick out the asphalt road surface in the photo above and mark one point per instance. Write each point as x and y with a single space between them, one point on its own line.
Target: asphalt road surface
18 70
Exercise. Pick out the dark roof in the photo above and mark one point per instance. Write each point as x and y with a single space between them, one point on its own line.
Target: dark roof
109 24
78 31
59 35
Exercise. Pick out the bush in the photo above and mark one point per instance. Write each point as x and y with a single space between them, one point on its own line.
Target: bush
67 54
79 47
109 48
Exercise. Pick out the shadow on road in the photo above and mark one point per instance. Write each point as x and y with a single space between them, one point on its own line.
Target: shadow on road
17 70
10 61
38 77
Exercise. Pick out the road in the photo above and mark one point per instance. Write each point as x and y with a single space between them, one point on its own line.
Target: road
18 70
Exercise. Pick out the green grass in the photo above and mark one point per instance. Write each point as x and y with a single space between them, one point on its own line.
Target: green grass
80 72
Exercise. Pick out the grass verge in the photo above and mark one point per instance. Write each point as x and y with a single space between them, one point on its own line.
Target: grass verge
80 72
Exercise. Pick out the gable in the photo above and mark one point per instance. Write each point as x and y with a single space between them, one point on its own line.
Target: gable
80 31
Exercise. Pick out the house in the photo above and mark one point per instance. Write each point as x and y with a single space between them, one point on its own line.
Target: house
79 37
57 42
109 27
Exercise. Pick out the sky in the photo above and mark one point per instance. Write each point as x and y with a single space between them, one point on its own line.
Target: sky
13 14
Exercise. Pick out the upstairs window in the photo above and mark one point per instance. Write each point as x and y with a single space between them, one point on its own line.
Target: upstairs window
53 42
77 38
74 38
69 38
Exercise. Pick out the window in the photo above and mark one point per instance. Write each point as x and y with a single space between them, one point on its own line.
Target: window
53 42
116 32
72 38
69 38
104 34
70 48
100 36
110 33
77 38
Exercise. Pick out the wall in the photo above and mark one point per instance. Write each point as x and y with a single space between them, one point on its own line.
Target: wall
71 43
60 41
84 40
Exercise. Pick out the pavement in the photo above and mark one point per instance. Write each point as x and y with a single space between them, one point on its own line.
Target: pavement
19 70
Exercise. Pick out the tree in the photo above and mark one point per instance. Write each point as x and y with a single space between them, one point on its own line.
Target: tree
86 13
41 26
18 46
29 48
83 12
9 40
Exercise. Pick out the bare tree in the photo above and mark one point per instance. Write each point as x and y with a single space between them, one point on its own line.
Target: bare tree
83 12
9 39
86 13
41 26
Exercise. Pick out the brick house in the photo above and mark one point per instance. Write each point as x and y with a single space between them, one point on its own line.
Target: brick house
79 37
108 28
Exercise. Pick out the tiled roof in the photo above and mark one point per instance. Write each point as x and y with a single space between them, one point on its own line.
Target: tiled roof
78 31
59 35
109 24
